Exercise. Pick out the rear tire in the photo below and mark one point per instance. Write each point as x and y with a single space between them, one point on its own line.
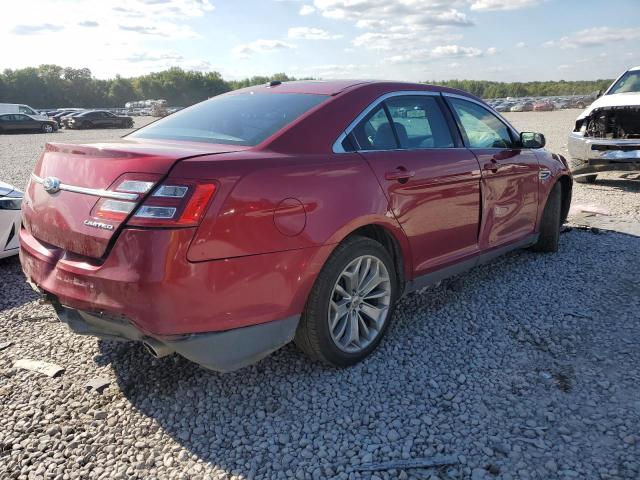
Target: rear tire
549 238
586 179
333 307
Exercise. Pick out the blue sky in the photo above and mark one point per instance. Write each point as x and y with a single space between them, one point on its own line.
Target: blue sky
508 40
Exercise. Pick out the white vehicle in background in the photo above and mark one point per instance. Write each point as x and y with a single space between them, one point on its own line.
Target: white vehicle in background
21 108
10 203
607 134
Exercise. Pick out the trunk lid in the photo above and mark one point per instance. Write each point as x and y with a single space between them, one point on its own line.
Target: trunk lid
64 218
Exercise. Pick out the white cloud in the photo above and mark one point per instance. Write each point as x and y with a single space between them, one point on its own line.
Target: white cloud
417 12
307 9
246 50
36 29
455 51
487 5
521 45
439 52
400 41
164 8
109 32
311 33
492 51
152 56
349 70
595 37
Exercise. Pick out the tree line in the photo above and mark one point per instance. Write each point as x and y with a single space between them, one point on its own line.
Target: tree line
52 86
487 89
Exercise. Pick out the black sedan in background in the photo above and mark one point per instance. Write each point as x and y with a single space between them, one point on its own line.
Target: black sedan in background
58 117
97 119
20 122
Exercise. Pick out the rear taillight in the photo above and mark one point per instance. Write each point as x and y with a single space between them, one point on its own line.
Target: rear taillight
127 191
175 203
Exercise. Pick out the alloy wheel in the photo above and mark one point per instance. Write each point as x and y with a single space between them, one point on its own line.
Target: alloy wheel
359 304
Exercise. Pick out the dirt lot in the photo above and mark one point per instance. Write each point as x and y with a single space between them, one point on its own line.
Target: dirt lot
528 367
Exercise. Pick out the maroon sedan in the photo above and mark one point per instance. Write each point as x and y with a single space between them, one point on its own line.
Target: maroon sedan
544 106
298 211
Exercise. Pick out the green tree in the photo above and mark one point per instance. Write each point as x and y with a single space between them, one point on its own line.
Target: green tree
54 86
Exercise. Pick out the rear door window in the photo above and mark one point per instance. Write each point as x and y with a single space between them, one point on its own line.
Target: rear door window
419 123
236 119
374 132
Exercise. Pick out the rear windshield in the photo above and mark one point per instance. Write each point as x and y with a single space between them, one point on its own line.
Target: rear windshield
240 119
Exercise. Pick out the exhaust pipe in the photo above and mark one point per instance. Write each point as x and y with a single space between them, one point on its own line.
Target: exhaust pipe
157 349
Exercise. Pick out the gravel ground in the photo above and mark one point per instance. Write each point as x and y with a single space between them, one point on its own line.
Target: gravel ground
524 368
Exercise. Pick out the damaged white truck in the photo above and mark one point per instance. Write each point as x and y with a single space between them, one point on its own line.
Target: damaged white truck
607 134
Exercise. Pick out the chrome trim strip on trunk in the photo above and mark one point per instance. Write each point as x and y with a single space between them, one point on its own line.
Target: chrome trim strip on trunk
90 191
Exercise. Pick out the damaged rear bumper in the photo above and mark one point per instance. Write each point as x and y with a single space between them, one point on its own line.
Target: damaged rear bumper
590 156
223 351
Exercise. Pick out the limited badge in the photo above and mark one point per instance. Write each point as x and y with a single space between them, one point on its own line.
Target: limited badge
95 224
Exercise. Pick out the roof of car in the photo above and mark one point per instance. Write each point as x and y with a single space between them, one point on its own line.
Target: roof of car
327 87
318 87
632 69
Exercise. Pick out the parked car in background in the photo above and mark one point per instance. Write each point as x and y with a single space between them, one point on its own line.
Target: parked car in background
98 119
522 107
58 117
560 104
299 210
578 102
606 136
67 116
18 122
543 106
21 108
10 203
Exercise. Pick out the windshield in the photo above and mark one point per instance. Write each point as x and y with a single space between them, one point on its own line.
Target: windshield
25 109
629 82
240 119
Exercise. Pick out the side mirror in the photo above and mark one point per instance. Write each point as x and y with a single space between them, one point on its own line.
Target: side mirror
532 140
600 92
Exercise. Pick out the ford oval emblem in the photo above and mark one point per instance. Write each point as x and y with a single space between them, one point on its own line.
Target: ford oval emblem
51 185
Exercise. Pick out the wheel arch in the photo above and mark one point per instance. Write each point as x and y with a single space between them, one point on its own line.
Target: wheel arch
566 187
393 239
566 184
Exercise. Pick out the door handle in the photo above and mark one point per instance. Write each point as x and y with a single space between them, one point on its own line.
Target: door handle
401 174
493 166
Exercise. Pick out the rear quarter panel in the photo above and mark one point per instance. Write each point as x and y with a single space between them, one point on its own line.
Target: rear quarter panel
336 195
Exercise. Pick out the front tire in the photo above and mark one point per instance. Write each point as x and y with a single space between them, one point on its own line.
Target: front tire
350 305
586 179
46 128
549 238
